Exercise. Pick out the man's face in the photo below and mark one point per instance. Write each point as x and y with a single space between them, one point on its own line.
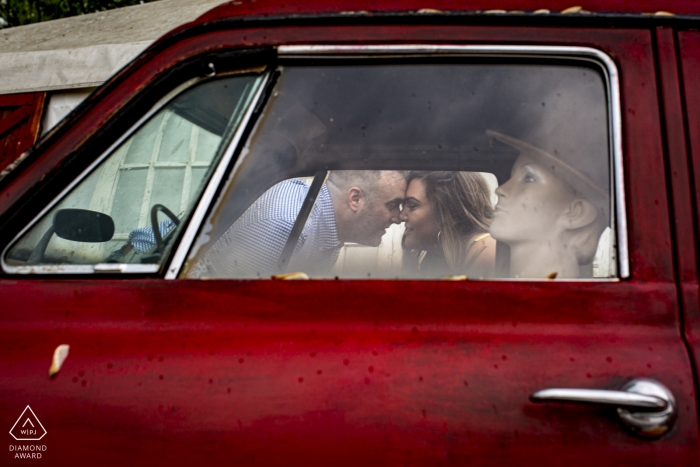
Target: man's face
378 213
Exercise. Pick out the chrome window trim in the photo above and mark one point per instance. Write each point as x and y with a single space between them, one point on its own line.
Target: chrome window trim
97 268
618 201
85 268
205 199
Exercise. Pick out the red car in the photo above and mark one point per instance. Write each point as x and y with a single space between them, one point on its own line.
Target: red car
492 214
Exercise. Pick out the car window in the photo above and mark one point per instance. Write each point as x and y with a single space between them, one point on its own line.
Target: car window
479 169
128 208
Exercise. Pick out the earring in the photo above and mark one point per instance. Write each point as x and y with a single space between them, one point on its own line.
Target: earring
439 232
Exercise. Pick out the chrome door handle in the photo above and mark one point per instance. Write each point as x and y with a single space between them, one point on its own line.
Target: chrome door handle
624 399
644 406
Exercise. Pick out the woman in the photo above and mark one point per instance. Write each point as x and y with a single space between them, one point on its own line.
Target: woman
447 216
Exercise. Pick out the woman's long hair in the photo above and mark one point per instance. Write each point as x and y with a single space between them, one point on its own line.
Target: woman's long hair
461 205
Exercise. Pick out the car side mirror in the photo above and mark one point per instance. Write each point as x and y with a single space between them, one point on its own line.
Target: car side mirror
82 225
78 225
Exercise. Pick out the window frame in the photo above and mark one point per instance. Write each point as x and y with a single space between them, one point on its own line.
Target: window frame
183 248
606 64
161 103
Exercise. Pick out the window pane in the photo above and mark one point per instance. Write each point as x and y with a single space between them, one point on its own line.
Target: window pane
140 147
175 146
168 187
197 178
126 207
426 170
107 217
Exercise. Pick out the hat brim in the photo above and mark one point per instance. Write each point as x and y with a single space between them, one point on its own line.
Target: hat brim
574 177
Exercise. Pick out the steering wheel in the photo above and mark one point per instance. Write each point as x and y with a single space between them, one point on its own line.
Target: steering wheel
37 256
154 223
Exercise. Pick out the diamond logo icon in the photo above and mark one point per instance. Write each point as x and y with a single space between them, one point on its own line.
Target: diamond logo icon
28 427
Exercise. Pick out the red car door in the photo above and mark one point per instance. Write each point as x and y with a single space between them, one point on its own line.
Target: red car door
356 371
689 47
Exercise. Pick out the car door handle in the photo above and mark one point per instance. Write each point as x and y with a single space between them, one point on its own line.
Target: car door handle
624 399
644 406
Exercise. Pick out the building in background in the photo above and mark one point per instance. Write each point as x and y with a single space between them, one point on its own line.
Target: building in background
47 69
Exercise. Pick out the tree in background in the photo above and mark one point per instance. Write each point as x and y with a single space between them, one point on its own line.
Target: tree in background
19 12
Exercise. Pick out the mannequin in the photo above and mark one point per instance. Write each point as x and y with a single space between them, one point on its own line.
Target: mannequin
549 213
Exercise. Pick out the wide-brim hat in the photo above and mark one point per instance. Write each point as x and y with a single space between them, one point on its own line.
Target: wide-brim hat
582 184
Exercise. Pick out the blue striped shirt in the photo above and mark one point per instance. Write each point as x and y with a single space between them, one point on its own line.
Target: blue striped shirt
252 246
143 239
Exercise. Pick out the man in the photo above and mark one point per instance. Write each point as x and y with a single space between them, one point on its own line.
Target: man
352 206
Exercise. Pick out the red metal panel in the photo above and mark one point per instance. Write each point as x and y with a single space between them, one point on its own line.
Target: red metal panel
13 118
689 44
20 117
338 372
271 7
357 372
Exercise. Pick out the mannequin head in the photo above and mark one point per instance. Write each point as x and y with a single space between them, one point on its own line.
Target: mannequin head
550 216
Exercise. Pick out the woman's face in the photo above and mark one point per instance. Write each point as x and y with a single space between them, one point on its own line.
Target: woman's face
530 204
421 228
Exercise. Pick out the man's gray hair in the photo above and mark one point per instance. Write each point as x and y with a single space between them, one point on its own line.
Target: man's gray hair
366 180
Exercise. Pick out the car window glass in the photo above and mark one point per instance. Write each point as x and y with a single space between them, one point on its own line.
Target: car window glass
421 170
152 178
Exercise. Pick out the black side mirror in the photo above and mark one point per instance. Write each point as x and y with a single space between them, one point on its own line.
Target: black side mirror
81 225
